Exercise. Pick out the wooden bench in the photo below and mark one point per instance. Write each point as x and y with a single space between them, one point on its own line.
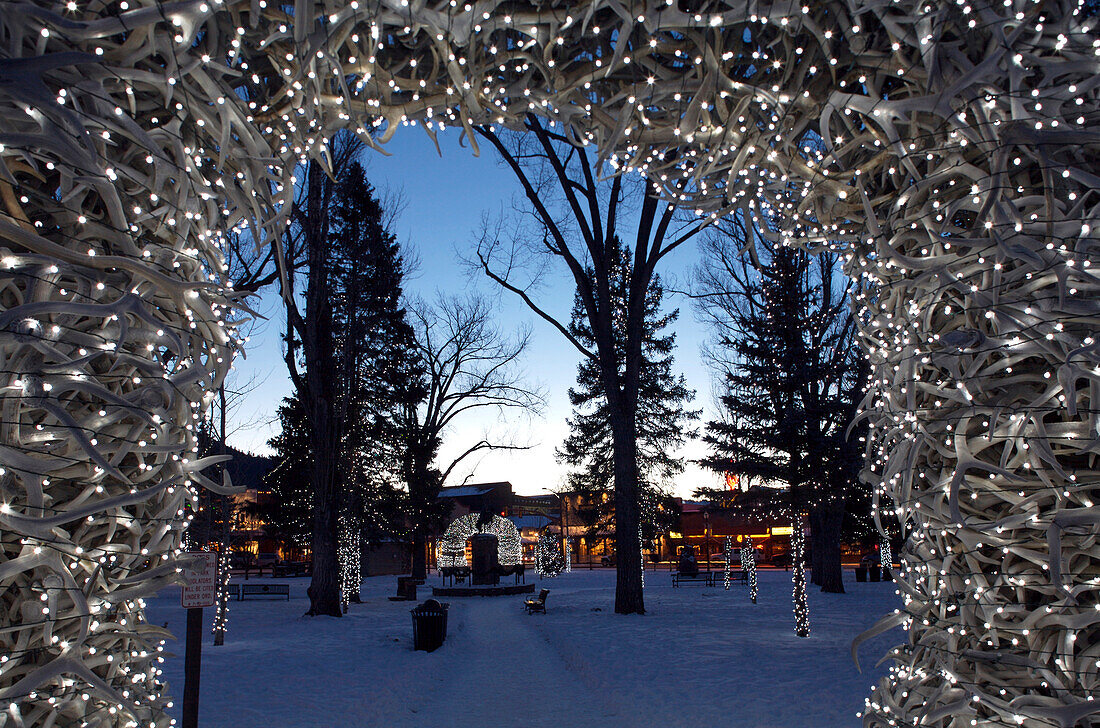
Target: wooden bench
537 605
264 590
706 578
290 568
739 575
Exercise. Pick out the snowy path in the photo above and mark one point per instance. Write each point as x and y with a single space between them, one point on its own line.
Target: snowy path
500 658
699 656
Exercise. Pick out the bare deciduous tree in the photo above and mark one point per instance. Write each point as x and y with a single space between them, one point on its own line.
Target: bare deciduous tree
581 235
468 365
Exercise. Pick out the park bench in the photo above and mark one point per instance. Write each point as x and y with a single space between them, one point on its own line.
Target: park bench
516 570
706 578
264 590
538 604
290 568
233 590
739 575
457 574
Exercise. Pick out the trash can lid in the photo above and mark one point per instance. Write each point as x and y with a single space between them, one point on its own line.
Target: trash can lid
431 604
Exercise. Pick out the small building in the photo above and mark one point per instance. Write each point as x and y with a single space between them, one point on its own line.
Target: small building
706 528
530 528
477 498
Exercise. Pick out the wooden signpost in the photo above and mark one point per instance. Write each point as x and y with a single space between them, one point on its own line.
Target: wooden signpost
200 586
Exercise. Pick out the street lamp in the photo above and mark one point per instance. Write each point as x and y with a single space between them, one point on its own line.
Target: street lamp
706 536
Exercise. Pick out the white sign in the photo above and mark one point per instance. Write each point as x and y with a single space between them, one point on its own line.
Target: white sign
201 579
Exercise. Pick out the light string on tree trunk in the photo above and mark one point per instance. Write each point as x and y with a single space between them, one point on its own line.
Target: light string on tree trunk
221 598
348 556
798 579
748 564
729 562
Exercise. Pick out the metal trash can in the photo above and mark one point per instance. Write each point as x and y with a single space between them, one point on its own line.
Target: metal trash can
429 625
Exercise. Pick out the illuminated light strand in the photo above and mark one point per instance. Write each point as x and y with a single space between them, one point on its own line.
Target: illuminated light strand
748 563
221 598
729 562
548 560
452 546
798 579
348 555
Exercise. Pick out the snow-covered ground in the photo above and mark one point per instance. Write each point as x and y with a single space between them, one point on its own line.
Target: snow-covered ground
700 656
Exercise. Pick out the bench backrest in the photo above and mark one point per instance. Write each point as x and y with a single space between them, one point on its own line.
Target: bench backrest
543 594
266 588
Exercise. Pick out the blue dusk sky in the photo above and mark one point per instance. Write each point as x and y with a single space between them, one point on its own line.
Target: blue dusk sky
446 198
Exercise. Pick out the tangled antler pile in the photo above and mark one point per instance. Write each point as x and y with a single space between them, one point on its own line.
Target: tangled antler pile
960 167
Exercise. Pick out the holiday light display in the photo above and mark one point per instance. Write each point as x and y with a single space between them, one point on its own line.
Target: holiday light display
885 557
349 555
452 547
729 562
957 174
798 580
221 598
568 556
748 564
548 560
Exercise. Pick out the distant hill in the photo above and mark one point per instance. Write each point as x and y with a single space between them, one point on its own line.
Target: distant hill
247 469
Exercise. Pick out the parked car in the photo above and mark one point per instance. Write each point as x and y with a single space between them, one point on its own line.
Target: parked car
266 559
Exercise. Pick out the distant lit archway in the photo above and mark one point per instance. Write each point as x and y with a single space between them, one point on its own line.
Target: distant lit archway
452 547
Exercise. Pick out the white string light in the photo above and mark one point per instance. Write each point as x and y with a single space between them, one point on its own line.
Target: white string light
729 561
548 560
798 579
452 546
748 564
221 598
348 555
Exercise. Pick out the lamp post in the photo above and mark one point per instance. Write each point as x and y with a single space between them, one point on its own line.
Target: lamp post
706 536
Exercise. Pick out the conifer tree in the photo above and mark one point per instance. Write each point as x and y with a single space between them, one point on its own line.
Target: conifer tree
377 367
343 350
792 380
662 421
288 514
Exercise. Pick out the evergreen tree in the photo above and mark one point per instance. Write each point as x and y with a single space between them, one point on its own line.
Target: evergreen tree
377 367
346 353
662 422
549 561
288 514
792 381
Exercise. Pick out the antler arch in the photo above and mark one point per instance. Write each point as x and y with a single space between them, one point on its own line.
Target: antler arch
959 171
